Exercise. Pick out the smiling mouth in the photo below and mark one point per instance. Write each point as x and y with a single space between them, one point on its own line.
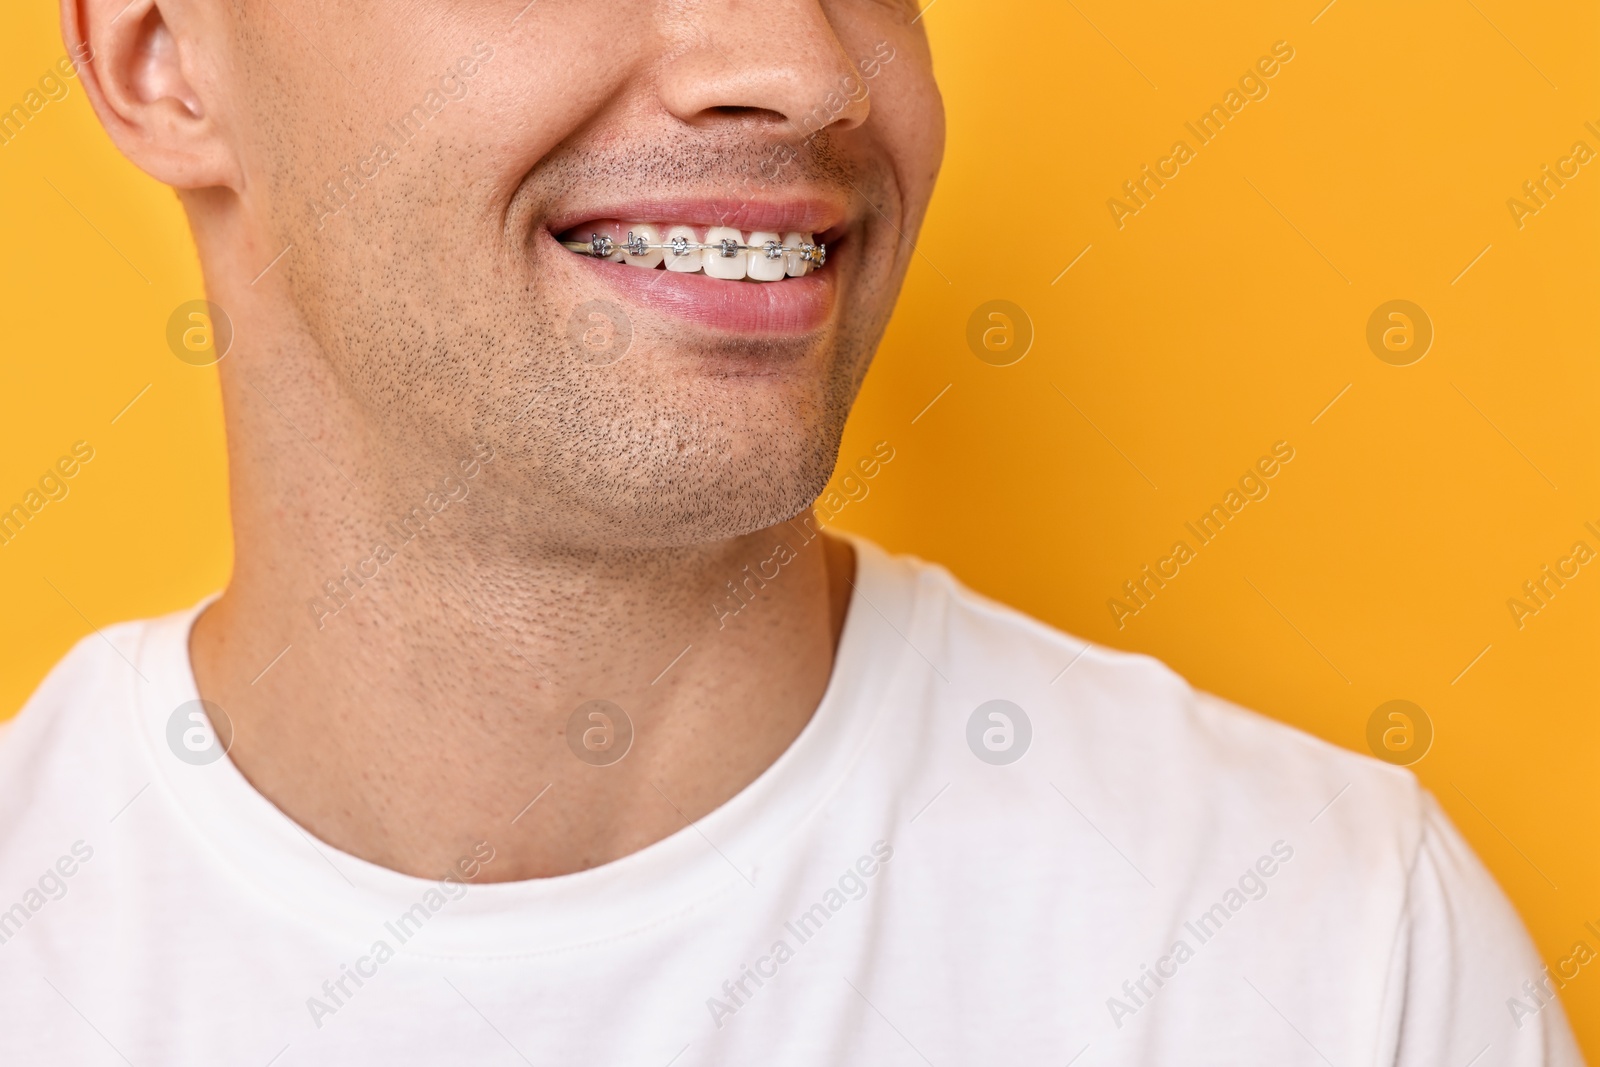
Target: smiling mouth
754 268
720 252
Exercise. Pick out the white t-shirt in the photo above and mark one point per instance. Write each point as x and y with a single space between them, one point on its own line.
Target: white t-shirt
1160 878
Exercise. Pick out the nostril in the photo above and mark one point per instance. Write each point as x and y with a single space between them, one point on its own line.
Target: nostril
740 111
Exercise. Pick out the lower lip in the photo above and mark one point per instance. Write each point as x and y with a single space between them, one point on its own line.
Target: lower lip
790 307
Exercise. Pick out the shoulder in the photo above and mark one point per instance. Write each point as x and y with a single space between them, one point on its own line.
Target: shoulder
1170 758
96 673
75 753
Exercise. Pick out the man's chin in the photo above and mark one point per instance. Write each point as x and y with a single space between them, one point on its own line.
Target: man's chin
685 511
706 522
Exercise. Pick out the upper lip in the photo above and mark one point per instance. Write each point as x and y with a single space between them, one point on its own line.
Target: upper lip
815 215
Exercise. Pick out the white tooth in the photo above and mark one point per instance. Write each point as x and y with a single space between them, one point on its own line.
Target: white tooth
691 260
651 235
792 261
616 255
763 269
728 268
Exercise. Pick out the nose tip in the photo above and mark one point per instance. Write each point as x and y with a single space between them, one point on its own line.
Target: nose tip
777 66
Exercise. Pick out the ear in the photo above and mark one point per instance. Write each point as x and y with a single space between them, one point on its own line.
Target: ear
146 67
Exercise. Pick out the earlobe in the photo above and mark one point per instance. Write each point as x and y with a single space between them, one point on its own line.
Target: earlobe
138 68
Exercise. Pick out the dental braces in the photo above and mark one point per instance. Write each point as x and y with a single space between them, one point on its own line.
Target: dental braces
603 247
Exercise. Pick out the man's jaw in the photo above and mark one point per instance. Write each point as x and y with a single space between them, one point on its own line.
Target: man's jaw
769 279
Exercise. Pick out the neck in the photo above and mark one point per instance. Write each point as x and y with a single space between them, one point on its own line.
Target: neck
401 658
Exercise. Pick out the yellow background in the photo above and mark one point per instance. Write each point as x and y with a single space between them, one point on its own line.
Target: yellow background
1223 317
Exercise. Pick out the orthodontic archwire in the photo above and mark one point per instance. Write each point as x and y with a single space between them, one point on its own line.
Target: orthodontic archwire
603 247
